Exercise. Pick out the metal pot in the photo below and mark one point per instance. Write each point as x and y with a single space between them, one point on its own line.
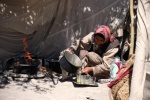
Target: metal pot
70 62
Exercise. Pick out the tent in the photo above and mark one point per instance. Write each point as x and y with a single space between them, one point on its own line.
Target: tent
140 87
43 28
46 27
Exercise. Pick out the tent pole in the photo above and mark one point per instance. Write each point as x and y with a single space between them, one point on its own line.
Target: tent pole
131 28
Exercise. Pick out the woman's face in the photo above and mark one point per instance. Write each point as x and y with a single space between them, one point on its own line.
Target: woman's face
98 40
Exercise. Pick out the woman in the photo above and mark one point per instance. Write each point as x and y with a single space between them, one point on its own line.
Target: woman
96 50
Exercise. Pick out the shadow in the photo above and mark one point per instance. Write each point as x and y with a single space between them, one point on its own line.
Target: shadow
71 78
3 81
37 85
28 82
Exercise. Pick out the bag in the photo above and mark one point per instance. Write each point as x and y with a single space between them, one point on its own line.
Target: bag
119 87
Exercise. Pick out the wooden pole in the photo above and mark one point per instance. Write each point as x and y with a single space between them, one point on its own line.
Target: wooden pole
131 28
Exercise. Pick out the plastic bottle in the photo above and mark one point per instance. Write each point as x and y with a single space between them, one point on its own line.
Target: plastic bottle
114 68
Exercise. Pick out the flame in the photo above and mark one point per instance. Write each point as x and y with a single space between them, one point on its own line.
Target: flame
25 48
44 69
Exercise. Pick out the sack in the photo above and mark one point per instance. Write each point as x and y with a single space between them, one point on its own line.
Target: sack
119 87
120 91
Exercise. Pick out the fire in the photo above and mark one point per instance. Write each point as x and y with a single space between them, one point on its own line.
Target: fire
44 69
25 48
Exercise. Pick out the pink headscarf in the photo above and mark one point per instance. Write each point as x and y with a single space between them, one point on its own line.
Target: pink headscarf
105 31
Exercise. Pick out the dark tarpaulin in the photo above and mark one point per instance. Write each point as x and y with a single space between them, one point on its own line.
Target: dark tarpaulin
49 26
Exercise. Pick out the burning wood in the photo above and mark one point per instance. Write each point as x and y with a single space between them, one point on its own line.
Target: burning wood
25 48
44 69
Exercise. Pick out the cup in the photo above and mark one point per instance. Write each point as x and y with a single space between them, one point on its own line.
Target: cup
78 78
82 77
92 80
86 80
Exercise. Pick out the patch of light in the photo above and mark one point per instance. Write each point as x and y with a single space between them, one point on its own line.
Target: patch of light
112 18
34 13
30 17
10 12
28 23
116 22
65 23
3 9
72 38
118 9
124 12
78 32
112 8
1 5
86 9
15 14
31 22
28 11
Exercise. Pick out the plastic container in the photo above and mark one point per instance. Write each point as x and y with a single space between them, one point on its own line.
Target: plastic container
114 68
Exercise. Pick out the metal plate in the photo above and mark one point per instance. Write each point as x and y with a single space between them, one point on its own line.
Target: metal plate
81 84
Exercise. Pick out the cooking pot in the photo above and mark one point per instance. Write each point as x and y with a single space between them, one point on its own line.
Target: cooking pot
70 62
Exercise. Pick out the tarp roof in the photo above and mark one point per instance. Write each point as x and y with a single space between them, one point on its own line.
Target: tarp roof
49 26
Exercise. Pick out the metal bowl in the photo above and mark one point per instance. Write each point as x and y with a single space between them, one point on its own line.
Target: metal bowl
70 62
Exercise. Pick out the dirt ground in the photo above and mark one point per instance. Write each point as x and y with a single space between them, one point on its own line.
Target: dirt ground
44 89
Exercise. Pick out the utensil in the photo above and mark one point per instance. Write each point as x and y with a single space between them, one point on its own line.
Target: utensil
70 62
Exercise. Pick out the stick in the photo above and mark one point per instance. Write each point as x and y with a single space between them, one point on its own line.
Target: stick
131 27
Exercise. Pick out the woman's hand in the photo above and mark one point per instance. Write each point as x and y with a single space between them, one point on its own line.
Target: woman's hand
70 50
87 70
